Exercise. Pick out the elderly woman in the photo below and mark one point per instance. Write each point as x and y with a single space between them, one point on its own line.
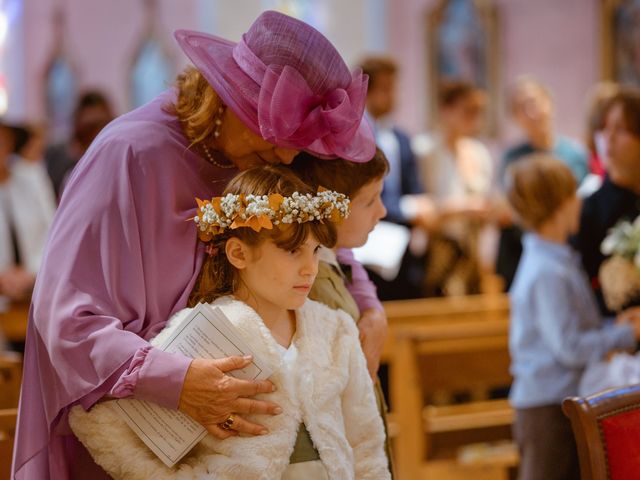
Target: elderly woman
121 259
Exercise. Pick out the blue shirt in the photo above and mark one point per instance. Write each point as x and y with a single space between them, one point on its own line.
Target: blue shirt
555 325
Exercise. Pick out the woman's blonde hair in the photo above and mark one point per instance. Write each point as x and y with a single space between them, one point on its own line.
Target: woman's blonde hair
196 105
217 276
537 186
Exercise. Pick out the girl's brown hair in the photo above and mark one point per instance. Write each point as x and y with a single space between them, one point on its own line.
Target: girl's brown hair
340 175
217 276
196 105
537 186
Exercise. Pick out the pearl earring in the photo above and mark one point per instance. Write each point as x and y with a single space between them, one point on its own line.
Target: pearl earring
218 122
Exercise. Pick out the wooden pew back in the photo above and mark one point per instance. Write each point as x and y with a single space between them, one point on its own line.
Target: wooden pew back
10 379
8 419
441 349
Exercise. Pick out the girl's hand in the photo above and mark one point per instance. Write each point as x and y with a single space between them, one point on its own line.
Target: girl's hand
373 332
209 396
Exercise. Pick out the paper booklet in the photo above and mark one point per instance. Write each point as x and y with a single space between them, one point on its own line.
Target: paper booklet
205 333
384 249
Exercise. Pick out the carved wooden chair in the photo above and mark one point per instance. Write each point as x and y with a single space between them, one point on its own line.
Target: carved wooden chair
607 431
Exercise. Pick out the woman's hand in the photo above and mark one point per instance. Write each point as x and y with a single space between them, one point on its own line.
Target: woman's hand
373 332
209 396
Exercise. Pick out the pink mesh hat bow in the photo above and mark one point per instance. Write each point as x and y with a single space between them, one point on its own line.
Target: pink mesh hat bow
288 84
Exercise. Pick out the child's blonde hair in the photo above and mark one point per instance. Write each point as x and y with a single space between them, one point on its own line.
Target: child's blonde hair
537 186
217 276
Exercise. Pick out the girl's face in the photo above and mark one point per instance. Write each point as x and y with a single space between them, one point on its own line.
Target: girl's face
246 149
366 210
623 149
271 277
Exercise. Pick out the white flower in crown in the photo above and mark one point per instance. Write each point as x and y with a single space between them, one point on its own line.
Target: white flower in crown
264 211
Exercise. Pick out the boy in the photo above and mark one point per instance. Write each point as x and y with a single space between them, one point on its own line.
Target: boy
555 325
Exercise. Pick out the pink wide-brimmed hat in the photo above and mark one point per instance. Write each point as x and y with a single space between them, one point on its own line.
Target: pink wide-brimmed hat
288 84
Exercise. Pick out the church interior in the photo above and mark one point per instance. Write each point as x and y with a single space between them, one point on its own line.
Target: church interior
507 263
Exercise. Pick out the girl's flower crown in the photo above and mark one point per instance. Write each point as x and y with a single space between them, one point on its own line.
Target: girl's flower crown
264 211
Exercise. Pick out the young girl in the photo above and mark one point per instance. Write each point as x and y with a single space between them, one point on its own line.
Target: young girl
263 238
556 330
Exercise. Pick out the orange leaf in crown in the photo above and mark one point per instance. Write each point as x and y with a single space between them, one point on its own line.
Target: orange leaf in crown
215 203
256 223
275 200
335 216
204 236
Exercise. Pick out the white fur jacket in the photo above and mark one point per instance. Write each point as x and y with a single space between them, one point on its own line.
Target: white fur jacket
330 391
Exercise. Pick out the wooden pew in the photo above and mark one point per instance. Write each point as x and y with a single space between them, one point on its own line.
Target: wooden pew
8 419
453 346
10 379
442 310
13 322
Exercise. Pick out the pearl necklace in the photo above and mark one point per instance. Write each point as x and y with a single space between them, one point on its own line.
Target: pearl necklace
213 161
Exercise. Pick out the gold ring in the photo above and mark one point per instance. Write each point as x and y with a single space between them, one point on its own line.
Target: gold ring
228 423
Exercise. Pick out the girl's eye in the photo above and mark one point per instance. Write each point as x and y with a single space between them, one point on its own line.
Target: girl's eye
317 249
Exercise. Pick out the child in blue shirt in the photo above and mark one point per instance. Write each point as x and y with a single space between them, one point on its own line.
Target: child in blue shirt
556 328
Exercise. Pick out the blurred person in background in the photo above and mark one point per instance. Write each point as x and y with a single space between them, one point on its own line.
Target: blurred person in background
619 196
556 331
28 206
597 99
531 107
92 113
402 194
457 172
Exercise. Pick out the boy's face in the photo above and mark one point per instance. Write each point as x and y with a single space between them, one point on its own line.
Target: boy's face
366 210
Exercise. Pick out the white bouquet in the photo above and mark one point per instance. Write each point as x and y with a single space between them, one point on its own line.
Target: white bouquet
620 274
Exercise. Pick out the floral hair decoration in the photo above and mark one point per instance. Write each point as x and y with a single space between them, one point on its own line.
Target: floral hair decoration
264 211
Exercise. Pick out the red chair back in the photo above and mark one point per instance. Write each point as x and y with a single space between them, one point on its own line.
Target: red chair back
607 431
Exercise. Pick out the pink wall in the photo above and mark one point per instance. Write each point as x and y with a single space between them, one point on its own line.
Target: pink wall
556 41
100 38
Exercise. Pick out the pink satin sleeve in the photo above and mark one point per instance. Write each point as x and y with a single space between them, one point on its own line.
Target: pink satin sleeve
153 375
362 289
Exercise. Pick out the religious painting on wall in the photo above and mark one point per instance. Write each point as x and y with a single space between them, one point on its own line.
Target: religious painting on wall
462 45
621 41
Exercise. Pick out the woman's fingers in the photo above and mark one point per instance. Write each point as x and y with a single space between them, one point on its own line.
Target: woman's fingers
232 363
255 407
220 433
245 388
239 425
244 426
